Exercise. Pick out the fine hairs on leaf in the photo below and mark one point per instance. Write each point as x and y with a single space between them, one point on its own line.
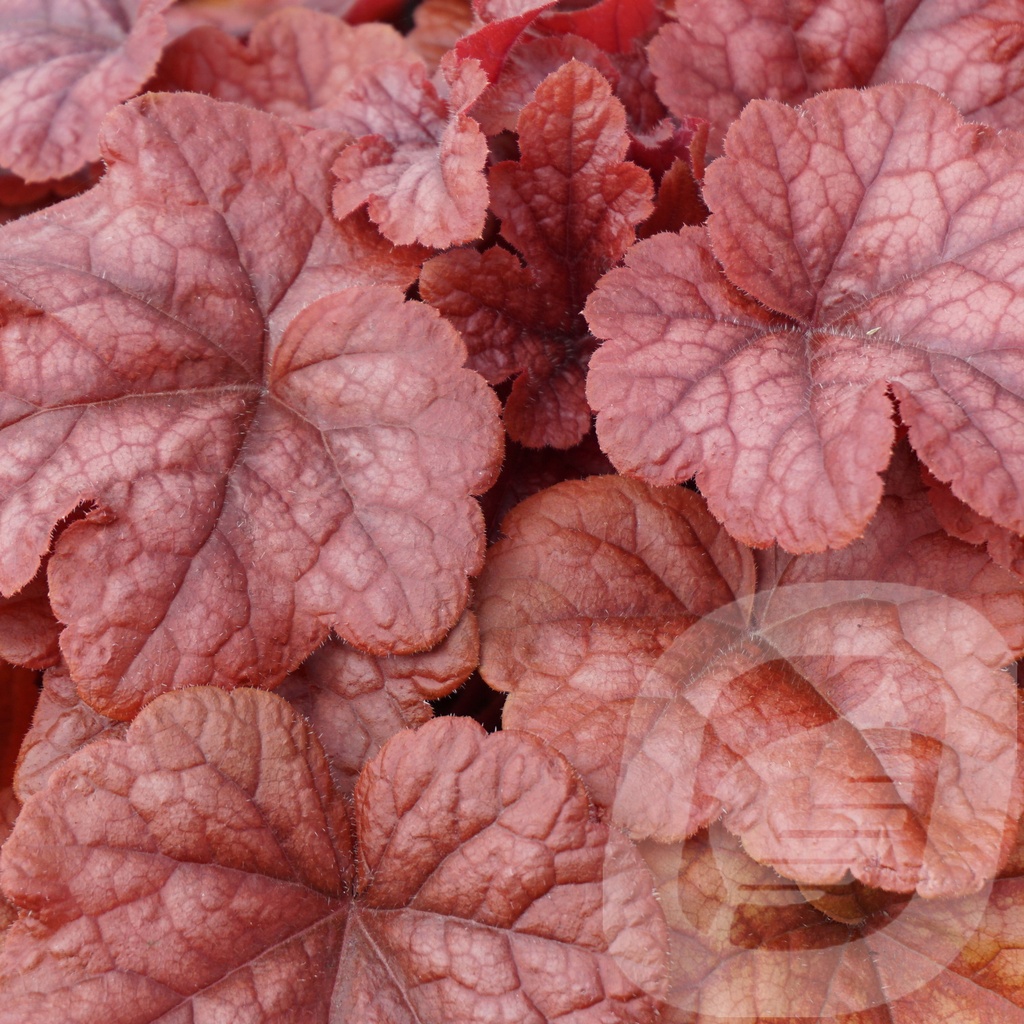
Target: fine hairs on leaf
511 510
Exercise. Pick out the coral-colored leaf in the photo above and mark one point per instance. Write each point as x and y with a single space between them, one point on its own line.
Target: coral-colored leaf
63 65
883 236
482 888
62 724
418 162
749 944
255 476
293 62
9 809
356 701
569 205
853 718
722 53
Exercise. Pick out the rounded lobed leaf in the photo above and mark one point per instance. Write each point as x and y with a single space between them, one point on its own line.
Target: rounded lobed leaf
203 865
867 245
63 65
267 448
851 717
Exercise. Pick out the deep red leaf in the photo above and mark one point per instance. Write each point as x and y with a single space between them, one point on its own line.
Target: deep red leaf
569 205
63 65
18 697
885 233
482 888
851 718
492 43
356 701
616 26
257 474
749 944
418 162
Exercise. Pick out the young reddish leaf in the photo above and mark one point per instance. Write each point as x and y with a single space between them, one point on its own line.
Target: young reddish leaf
492 44
854 718
62 724
528 63
294 61
749 944
616 26
28 630
356 701
881 228
257 476
482 888
418 162
719 55
569 205
63 65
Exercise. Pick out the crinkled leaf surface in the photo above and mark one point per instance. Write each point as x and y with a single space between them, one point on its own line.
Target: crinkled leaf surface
749 944
569 206
850 715
720 55
62 724
481 889
356 701
9 808
63 65
870 241
418 162
293 62
256 476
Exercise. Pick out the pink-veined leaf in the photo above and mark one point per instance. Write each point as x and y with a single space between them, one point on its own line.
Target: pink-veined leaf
569 205
719 55
356 701
269 447
749 944
418 160
851 715
293 63
63 65
869 242
480 886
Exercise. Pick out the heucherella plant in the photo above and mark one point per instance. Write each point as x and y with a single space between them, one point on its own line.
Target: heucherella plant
511 510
